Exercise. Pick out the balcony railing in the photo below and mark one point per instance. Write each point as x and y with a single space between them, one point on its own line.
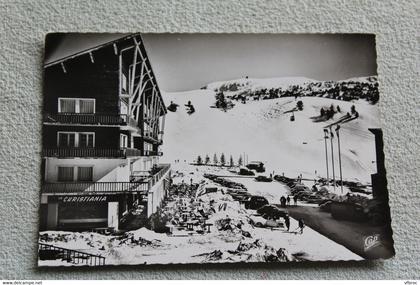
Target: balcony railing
95 187
137 185
90 119
152 153
151 176
91 152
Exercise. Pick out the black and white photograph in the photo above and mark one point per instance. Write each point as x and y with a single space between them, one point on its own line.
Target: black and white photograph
211 148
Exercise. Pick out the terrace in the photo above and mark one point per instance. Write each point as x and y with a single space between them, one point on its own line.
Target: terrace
93 152
139 184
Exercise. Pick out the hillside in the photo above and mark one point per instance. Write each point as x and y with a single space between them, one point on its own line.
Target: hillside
264 131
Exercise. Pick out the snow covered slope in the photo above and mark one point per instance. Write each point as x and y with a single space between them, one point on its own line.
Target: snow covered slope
265 132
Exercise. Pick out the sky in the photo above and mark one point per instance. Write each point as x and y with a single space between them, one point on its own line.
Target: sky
184 62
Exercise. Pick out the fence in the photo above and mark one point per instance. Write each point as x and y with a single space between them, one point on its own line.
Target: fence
94 187
51 252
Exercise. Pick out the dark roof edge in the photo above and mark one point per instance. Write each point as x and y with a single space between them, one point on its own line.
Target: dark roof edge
88 50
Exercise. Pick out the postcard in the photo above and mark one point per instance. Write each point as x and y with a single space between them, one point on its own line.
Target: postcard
211 148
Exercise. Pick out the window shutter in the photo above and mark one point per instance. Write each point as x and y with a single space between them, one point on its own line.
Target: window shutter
85 174
87 106
68 106
65 174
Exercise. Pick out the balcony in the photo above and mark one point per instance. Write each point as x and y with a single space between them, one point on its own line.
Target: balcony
136 185
152 153
97 119
94 187
152 176
91 152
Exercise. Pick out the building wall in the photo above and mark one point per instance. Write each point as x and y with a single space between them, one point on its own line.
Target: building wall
105 137
145 163
84 79
157 194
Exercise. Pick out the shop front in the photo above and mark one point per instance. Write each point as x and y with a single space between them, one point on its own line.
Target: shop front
85 212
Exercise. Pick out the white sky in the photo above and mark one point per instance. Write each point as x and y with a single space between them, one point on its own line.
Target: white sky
190 61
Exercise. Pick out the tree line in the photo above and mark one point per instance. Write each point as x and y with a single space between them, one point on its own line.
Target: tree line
219 160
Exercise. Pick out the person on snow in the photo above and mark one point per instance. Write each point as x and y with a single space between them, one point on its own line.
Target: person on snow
172 107
287 222
283 201
301 225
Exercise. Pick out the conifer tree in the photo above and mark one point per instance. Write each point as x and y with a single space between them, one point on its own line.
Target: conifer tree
207 159
231 163
223 159
215 160
240 161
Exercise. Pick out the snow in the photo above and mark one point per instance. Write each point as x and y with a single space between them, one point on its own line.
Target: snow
265 133
166 249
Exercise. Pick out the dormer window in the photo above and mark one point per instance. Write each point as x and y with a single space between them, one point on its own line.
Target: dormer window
76 105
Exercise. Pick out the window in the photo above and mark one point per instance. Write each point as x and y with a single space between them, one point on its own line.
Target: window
123 108
76 105
73 139
67 106
87 106
123 141
65 174
84 174
66 139
72 173
86 140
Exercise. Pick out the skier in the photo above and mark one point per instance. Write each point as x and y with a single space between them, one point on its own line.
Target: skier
172 107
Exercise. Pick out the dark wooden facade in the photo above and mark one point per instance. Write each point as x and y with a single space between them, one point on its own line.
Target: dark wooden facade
101 74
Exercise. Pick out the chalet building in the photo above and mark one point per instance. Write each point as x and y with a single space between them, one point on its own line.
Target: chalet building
103 126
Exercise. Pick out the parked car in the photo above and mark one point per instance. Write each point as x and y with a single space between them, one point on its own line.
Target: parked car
282 179
258 166
273 212
300 186
241 197
244 171
255 202
262 178
264 222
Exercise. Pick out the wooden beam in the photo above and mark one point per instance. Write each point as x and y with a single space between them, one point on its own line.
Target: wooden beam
115 48
63 67
120 73
91 57
133 73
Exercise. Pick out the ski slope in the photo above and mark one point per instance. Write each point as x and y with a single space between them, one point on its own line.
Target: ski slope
263 131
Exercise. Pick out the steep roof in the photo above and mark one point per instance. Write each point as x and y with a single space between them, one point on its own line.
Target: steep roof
61 46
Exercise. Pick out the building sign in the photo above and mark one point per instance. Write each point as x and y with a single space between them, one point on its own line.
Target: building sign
83 199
